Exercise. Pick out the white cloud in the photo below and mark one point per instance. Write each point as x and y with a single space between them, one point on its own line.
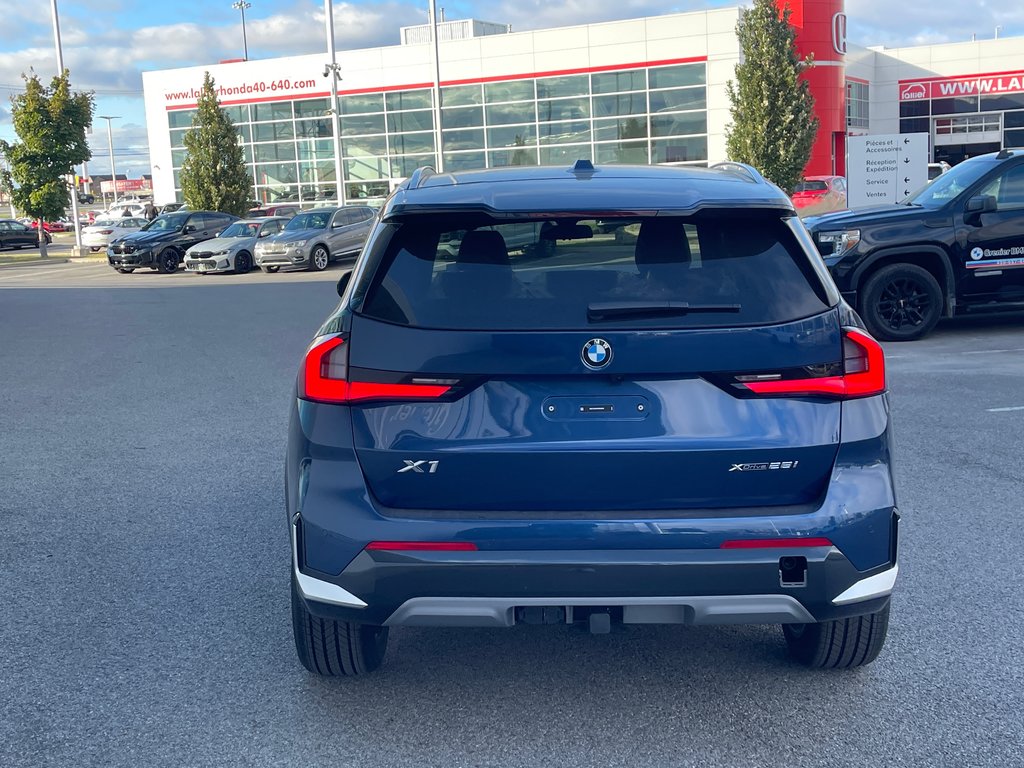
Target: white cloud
882 22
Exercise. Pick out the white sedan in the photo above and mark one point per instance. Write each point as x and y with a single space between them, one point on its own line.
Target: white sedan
97 236
232 250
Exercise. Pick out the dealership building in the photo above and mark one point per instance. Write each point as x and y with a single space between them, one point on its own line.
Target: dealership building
649 90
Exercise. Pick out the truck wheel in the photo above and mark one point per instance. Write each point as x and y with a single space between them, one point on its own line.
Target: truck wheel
901 302
167 261
839 644
335 648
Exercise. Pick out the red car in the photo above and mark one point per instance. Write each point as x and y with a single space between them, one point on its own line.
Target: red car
820 194
50 226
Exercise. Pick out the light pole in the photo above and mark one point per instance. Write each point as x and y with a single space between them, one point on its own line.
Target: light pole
241 5
110 148
333 70
437 86
60 73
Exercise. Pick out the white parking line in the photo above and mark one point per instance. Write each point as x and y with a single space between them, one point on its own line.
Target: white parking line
35 271
1005 410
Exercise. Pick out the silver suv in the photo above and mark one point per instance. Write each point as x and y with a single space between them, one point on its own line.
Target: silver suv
314 238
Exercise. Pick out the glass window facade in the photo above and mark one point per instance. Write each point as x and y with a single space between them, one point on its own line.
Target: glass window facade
857 104
962 119
640 115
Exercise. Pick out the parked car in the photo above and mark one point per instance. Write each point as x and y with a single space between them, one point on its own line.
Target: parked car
953 247
690 428
314 238
172 207
162 243
98 235
50 226
820 194
85 198
937 169
287 210
15 234
134 209
232 250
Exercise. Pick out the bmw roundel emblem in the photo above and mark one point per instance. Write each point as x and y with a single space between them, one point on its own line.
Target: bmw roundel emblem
597 353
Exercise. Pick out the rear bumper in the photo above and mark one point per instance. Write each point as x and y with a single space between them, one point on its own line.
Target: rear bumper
486 588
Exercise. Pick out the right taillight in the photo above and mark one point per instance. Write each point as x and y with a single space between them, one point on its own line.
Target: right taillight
863 374
325 378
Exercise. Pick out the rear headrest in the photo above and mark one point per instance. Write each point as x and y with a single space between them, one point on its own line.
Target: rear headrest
483 246
662 241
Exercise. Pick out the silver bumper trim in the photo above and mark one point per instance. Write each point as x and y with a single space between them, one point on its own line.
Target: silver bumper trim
879 585
317 589
500 611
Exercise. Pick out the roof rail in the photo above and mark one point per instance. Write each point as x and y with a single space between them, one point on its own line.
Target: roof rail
741 169
419 176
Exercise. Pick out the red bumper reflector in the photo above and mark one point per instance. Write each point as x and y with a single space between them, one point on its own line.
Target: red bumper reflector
813 541
422 546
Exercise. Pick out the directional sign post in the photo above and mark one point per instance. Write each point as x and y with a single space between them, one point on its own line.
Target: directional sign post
885 169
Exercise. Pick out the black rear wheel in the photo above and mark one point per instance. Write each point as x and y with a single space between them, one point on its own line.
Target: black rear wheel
335 648
901 302
839 644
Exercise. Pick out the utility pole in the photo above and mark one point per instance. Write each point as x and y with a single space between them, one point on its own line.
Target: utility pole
241 5
110 148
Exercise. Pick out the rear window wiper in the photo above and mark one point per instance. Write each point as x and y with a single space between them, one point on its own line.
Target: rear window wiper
609 310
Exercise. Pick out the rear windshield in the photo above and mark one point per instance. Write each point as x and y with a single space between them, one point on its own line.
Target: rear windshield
592 273
811 186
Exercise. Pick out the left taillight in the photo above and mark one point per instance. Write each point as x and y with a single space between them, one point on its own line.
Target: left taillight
325 379
862 374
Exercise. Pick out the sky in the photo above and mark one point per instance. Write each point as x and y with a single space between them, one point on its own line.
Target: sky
107 44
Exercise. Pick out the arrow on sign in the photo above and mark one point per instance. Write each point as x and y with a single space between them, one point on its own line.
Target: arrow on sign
906 141
906 179
906 193
906 159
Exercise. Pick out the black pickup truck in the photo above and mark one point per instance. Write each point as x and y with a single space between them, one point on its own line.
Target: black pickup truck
954 246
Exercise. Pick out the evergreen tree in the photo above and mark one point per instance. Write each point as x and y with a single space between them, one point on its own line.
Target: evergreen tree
51 122
773 124
213 174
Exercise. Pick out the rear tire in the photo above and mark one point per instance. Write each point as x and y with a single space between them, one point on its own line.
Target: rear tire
838 644
901 302
335 648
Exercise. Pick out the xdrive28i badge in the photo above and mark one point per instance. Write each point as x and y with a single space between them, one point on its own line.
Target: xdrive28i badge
597 353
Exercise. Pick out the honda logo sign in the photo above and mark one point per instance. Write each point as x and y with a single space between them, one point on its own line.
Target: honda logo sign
839 33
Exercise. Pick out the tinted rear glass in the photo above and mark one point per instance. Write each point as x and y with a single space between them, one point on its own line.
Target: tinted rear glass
811 186
543 274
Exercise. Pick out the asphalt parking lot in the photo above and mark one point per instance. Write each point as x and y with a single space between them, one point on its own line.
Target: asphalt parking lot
145 619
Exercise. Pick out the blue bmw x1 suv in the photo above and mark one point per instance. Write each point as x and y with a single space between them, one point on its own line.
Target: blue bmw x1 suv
594 395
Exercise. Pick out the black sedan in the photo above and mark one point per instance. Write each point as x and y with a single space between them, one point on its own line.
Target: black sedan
14 234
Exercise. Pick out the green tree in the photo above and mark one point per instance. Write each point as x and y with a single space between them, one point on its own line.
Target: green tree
213 174
51 122
773 124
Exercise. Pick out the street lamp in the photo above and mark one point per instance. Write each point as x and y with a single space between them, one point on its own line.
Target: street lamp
333 70
110 148
60 73
241 5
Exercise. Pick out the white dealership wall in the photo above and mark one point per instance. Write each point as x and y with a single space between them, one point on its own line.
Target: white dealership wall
702 34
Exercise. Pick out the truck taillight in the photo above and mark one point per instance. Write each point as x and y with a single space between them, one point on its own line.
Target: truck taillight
325 379
863 374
